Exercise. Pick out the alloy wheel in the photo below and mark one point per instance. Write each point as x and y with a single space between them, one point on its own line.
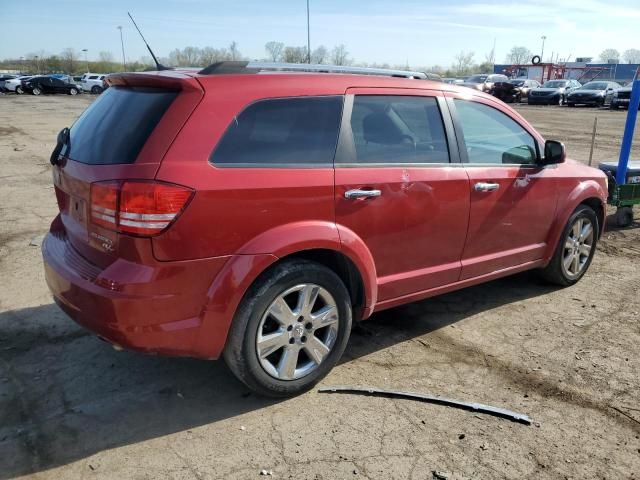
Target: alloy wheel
297 332
577 247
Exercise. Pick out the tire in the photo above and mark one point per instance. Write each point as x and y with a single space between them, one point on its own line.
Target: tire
19 90
73 91
266 372
613 107
36 91
624 217
571 104
96 90
557 271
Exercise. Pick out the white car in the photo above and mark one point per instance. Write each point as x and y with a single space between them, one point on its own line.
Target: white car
14 85
93 82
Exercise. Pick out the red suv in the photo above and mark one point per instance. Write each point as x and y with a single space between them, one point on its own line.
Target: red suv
254 214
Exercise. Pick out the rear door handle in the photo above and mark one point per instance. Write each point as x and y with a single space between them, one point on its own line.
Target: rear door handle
353 194
486 187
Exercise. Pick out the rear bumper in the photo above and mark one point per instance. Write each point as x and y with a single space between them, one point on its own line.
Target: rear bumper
150 308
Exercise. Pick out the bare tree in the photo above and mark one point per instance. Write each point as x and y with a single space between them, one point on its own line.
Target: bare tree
519 55
319 55
210 55
340 55
609 54
69 58
274 50
295 54
105 56
464 61
234 53
632 55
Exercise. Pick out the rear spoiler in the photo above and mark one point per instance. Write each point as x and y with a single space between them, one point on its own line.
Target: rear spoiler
165 79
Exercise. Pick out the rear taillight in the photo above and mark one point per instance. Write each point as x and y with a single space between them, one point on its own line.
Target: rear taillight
141 208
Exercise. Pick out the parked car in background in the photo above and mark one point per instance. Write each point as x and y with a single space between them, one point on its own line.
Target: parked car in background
15 84
262 232
4 78
553 92
513 90
597 94
621 98
45 84
453 81
93 82
483 82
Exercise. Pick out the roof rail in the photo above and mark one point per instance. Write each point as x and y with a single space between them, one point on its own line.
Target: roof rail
221 68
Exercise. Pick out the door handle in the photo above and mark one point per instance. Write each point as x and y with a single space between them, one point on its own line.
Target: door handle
486 187
353 194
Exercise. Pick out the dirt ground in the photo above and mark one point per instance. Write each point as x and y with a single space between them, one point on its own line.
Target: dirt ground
72 407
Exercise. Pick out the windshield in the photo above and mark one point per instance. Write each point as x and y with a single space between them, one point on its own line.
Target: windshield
477 78
595 86
555 84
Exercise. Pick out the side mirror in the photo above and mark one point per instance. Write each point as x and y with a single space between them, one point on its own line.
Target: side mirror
554 152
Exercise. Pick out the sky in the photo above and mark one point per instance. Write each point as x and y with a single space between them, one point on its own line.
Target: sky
413 32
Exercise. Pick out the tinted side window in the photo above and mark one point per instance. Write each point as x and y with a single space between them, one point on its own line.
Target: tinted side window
286 131
398 129
493 137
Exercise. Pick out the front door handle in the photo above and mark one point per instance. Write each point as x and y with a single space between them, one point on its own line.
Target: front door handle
486 187
353 194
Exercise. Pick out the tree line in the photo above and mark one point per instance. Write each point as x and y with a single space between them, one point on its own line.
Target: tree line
72 61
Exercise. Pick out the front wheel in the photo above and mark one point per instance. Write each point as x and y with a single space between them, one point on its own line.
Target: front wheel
73 91
19 90
575 249
290 329
36 91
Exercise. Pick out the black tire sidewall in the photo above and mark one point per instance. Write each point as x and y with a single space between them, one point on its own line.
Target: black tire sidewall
240 353
582 211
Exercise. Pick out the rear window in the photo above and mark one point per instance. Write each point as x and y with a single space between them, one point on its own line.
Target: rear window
286 131
115 127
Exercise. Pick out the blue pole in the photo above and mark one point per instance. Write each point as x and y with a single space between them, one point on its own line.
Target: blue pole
627 138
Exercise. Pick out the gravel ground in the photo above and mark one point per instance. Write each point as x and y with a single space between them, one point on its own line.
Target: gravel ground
72 407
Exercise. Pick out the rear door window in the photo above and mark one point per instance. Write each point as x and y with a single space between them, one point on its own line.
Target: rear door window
398 129
116 126
301 131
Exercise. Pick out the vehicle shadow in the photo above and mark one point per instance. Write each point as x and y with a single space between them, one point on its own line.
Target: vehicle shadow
65 395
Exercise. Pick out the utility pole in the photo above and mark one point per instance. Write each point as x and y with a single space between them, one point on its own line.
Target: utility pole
308 36
543 37
86 59
124 63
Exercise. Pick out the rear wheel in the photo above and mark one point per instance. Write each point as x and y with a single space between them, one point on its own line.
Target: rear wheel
96 89
575 249
290 329
73 91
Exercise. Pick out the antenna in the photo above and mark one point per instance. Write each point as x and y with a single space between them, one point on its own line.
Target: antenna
159 66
